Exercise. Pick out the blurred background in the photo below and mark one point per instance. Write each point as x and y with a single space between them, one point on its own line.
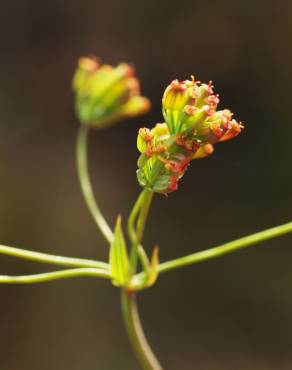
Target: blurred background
231 313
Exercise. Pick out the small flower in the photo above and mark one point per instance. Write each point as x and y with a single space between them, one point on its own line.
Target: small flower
186 104
106 94
162 161
192 127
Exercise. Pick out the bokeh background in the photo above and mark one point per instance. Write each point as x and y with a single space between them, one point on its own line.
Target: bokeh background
231 313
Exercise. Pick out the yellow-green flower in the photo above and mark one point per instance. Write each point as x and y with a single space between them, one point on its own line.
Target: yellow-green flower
106 94
192 127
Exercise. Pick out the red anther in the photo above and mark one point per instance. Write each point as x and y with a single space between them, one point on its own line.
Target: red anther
149 152
173 166
145 133
184 164
178 166
196 146
225 123
180 140
173 183
217 130
212 100
208 110
177 85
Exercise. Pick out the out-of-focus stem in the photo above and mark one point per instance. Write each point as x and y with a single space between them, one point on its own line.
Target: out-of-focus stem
83 174
54 275
135 332
133 218
232 246
51 259
136 223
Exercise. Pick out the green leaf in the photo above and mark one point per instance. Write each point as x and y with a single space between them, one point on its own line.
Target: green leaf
153 275
150 268
118 258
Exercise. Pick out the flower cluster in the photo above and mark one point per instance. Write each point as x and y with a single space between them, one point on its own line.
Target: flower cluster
192 127
106 94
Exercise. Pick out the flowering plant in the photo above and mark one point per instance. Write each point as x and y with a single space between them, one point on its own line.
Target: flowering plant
192 126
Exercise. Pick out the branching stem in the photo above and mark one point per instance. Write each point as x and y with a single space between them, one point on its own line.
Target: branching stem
232 246
51 259
54 275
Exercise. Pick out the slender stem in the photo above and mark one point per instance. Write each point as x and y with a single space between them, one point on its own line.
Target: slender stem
227 247
147 199
83 174
55 275
136 223
133 216
135 332
51 259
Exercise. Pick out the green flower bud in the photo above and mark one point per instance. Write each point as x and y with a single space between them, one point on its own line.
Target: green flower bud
106 94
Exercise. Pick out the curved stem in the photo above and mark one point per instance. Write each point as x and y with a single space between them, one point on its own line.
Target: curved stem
55 275
147 199
226 248
136 223
135 332
51 259
133 216
83 174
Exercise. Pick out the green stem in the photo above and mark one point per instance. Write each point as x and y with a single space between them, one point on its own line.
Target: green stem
132 218
52 259
55 275
83 174
136 223
135 332
227 247
144 210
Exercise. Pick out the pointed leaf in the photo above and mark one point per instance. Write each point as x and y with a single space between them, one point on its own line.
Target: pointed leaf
118 258
153 267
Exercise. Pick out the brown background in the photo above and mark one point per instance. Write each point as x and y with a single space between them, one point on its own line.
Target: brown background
233 313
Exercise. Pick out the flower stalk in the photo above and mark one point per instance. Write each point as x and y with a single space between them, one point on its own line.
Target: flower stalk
144 354
85 183
136 224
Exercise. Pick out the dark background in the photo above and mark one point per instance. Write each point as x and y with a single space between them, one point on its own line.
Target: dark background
232 313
